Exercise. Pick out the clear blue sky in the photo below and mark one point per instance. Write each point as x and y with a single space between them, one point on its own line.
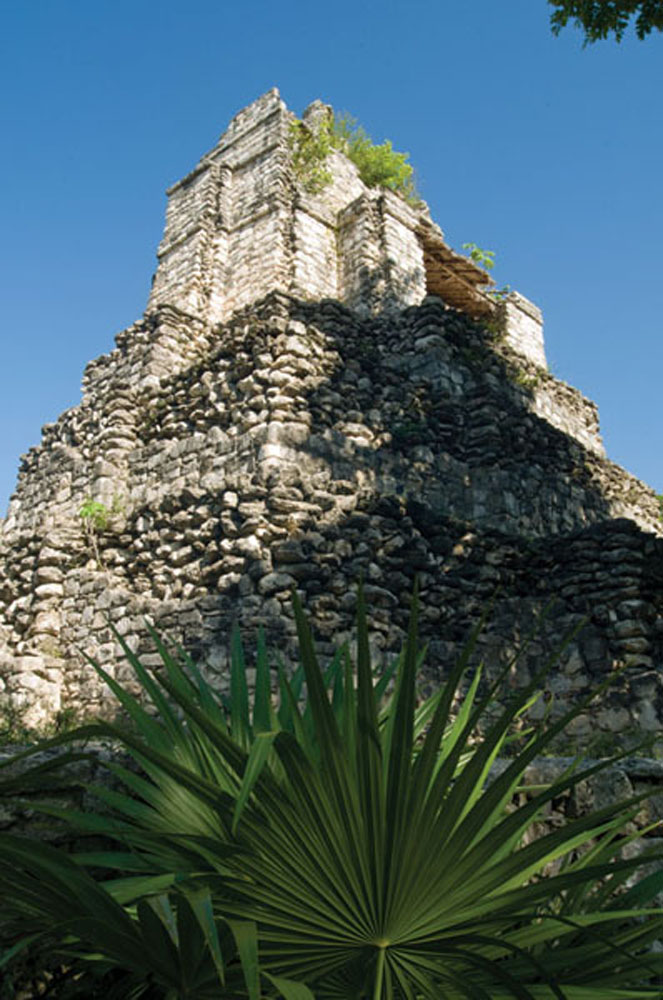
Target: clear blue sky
547 153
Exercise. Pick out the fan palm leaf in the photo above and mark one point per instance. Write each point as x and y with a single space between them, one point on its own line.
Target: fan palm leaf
369 844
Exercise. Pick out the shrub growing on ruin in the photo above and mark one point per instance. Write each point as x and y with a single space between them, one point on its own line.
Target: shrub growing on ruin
379 165
309 148
347 845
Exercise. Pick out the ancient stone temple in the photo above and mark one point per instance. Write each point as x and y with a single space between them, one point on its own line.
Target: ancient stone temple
320 389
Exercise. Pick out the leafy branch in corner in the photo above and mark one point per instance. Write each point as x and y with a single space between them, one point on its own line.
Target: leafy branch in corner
601 18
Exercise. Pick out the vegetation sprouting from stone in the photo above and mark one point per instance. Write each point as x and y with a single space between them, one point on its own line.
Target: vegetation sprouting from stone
14 729
94 517
310 148
484 258
94 514
379 165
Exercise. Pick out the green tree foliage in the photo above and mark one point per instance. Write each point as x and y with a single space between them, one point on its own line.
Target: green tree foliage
309 149
484 258
95 514
335 842
602 18
379 165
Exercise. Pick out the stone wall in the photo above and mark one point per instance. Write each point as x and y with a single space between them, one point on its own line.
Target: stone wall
338 422
243 224
301 445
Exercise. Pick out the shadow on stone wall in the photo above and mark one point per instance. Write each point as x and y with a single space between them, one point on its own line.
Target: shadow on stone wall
422 457
309 447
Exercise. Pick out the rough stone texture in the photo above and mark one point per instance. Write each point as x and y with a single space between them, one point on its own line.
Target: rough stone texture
70 787
524 327
297 409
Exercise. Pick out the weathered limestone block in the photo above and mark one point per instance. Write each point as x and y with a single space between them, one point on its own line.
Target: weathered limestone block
523 322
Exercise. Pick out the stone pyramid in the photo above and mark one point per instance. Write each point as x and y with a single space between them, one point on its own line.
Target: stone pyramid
321 389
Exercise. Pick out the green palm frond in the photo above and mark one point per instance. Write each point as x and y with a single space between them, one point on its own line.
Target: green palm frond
364 836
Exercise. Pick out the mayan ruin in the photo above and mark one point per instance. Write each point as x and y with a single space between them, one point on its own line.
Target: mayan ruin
322 390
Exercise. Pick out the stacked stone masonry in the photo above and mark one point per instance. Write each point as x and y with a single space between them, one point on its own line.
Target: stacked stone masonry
298 408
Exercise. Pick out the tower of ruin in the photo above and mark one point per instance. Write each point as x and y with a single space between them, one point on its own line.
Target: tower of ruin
322 389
